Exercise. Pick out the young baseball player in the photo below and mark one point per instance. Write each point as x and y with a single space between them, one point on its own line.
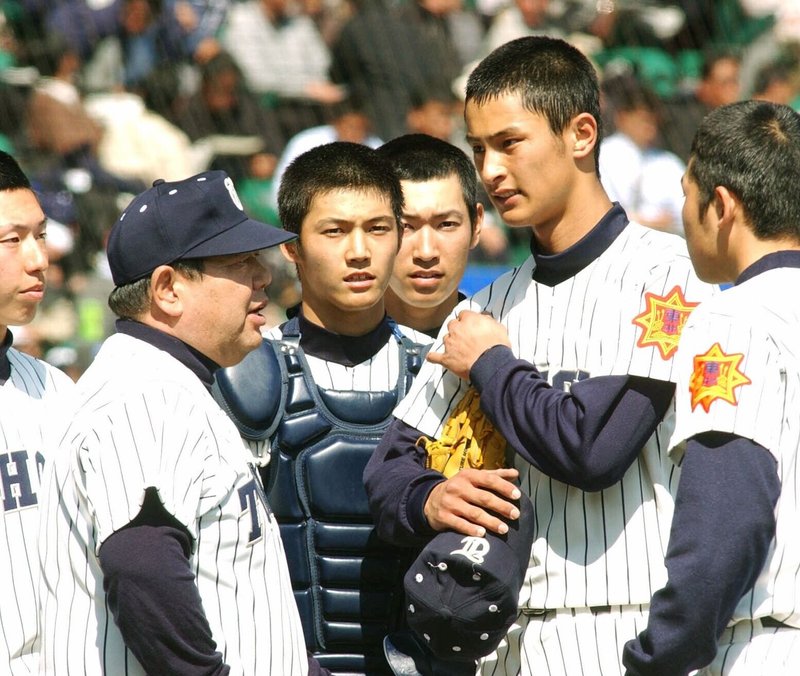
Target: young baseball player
732 600
158 549
572 356
30 393
347 366
442 221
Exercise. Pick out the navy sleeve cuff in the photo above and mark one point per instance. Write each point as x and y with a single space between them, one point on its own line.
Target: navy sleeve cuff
488 365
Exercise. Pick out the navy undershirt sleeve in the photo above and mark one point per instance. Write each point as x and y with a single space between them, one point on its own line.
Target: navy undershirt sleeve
398 485
587 437
721 532
151 592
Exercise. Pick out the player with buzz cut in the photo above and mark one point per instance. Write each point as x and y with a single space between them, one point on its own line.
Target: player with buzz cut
321 392
442 220
159 552
30 400
732 600
572 356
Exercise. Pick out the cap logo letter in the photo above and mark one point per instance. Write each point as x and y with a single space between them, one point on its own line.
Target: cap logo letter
475 549
233 193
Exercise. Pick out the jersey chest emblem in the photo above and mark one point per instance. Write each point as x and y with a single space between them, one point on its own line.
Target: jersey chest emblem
715 376
662 321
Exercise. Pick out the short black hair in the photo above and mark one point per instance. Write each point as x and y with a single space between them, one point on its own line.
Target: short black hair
420 157
11 175
553 79
335 166
753 149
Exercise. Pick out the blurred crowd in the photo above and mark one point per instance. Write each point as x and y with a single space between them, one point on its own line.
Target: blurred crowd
98 98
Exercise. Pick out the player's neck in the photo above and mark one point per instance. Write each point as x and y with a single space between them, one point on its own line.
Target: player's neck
567 227
346 323
424 319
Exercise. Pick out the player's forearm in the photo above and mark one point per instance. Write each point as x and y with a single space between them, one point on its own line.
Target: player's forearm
152 595
718 545
587 437
398 484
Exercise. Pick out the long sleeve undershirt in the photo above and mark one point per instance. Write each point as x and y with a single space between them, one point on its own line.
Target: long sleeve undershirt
587 437
721 532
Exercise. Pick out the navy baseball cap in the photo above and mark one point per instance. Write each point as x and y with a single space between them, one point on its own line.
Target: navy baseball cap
462 592
197 217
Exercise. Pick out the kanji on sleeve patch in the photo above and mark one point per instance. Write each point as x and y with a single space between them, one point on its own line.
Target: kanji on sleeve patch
662 321
715 376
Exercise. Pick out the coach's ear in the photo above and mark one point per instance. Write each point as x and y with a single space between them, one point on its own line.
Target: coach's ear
165 291
289 251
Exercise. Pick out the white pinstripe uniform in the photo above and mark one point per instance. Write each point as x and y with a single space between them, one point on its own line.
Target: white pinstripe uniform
120 442
590 549
30 401
739 372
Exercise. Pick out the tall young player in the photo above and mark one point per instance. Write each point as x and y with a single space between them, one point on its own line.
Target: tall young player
572 355
442 221
28 406
733 559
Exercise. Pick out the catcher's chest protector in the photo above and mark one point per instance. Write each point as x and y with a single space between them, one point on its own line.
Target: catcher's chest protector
347 582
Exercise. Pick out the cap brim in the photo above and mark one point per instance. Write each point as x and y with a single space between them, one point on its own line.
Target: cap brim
248 235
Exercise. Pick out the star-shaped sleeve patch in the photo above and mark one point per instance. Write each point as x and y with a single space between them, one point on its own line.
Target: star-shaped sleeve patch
715 376
662 321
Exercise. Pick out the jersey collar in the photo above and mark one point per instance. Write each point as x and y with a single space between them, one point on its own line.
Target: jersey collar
777 259
197 363
5 364
345 350
552 269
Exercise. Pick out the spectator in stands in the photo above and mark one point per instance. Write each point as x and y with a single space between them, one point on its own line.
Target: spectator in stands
199 22
776 82
348 122
434 111
59 126
446 28
284 59
224 119
635 171
383 56
718 85
521 18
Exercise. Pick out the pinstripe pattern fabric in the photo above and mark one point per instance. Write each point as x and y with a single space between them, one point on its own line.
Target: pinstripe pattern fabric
567 642
590 549
750 649
30 401
759 321
377 374
122 439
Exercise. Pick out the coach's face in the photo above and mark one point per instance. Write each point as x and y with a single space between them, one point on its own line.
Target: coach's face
344 256
23 257
525 168
222 309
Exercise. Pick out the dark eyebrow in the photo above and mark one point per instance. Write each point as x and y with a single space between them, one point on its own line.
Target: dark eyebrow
498 134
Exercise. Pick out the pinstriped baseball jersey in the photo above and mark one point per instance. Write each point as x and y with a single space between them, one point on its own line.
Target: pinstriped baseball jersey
120 442
30 401
739 372
622 313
